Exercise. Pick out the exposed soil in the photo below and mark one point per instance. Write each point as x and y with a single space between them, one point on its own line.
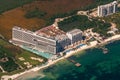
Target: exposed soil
16 18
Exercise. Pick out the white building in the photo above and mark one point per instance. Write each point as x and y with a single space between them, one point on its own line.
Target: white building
107 9
74 35
28 38
48 39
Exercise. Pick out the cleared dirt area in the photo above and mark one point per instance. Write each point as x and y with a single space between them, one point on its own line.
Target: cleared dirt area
16 17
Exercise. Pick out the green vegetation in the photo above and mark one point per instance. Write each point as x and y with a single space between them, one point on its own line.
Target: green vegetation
41 14
115 18
9 64
27 56
13 54
82 22
35 13
10 4
101 27
73 12
60 15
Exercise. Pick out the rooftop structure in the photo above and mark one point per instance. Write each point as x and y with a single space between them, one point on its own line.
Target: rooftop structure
75 32
75 35
107 9
50 32
28 38
49 39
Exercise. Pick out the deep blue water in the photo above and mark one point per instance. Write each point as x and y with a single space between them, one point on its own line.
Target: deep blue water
95 66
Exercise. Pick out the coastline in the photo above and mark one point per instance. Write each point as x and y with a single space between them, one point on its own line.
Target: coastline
15 76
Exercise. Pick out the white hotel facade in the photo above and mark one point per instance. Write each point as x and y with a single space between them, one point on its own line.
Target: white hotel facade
107 9
54 45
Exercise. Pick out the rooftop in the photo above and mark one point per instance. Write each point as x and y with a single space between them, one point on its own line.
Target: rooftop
75 31
61 37
24 30
50 32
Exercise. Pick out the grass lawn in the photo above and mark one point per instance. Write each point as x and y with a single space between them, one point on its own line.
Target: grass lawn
14 53
26 55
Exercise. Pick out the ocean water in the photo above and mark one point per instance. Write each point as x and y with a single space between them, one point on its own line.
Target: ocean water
95 65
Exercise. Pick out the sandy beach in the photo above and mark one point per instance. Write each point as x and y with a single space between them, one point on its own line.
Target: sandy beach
92 44
31 75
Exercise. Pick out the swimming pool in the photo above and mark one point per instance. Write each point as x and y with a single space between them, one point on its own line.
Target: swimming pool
44 54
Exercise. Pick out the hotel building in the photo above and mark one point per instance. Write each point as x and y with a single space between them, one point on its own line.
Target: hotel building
49 39
107 9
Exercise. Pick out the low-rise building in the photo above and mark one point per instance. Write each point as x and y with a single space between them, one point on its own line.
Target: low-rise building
75 35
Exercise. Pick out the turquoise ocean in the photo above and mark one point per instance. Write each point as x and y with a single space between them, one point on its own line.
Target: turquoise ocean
95 65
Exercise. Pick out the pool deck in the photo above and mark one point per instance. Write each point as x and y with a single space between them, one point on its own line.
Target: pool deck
44 54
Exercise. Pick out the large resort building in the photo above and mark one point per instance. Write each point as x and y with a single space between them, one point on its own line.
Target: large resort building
107 9
49 39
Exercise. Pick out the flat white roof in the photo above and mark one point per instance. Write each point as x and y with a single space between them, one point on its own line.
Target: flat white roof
74 31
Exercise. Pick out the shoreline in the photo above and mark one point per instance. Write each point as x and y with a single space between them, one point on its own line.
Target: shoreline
94 44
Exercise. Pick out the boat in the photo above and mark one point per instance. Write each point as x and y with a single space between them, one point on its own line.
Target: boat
77 64
105 50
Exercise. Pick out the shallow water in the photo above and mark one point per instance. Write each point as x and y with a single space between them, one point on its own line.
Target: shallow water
95 66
